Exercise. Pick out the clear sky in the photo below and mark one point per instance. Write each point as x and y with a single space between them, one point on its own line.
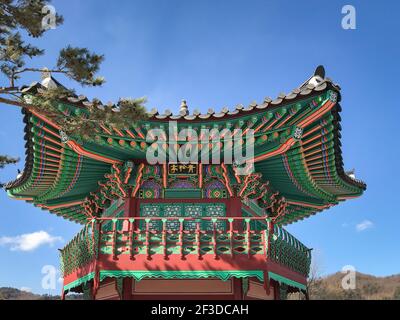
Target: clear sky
222 53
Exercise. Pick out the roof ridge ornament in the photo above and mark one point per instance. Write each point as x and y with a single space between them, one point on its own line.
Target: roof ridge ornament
183 109
320 71
351 173
47 80
315 80
45 73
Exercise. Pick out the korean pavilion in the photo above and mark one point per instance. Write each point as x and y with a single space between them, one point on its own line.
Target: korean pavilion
174 231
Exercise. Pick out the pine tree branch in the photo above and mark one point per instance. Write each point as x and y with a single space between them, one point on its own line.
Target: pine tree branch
15 103
7 90
40 70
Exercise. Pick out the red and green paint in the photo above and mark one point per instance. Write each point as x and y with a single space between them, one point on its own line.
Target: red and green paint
141 221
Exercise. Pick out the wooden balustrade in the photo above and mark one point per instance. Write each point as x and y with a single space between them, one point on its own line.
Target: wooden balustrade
139 236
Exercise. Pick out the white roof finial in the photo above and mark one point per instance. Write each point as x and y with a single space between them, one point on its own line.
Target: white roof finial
183 110
47 79
45 73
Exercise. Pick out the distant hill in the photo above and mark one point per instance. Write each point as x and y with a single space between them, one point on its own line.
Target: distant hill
368 287
16 294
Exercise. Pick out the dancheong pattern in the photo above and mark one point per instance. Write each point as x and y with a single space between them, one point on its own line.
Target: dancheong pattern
188 223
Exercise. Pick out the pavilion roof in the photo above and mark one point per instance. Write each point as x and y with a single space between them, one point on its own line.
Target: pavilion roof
307 170
313 85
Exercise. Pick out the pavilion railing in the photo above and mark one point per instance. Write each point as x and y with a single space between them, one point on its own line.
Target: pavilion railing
184 236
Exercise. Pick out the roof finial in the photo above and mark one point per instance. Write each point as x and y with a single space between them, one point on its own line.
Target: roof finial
45 73
183 110
351 173
47 80
318 77
320 71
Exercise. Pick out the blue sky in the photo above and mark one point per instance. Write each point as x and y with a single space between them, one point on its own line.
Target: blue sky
222 53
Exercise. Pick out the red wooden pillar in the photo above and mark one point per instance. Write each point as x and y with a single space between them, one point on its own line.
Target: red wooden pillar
127 289
237 289
277 291
267 283
130 210
96 283
96 279
234 209
90 285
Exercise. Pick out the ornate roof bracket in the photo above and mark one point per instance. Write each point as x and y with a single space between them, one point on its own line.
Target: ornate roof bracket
119 183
